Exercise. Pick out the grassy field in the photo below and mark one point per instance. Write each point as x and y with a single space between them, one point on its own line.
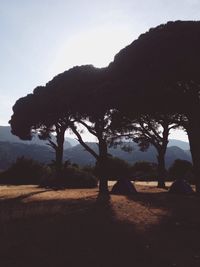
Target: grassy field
76 227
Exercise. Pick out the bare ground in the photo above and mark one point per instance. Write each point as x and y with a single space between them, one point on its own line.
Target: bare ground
76 227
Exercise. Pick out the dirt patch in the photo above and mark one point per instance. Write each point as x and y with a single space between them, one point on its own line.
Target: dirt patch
76 227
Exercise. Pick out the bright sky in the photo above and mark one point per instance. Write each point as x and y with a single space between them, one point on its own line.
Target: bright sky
41 38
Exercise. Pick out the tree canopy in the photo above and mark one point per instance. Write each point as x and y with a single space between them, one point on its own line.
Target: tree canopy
160 72
160 65
157 73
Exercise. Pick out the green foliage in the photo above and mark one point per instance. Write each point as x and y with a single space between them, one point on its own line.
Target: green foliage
181 169
24 171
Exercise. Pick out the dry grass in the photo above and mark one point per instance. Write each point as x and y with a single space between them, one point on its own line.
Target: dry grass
77 228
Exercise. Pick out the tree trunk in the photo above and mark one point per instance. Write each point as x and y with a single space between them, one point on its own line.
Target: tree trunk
193 131
59 150
103 185
102 163
161 169
59 157
161 154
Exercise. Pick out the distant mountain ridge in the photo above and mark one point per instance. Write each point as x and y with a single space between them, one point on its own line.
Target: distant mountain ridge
7 136
182 144
9 152
78 154
12 147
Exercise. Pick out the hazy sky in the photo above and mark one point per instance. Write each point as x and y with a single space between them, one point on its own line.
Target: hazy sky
41 38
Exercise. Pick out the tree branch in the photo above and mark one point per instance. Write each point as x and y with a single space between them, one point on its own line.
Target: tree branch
152 138
87 127
52 144
91 151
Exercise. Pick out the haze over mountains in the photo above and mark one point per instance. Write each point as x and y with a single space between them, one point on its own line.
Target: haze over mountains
7 136
11 147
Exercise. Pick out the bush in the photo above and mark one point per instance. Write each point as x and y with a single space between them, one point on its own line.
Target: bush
70 177
181 169
77 178
89 169
145 171
24 171
115 169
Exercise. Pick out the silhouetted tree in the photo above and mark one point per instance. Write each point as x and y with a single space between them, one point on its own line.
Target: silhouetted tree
154 130
68 100
80 90
145 130
161 72
98 126
37 114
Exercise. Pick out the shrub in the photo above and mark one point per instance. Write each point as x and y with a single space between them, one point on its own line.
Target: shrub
181 169
77 178
89 169
144 170
115 169
24 171
70 177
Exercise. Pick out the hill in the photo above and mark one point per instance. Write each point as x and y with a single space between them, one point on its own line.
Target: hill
182 144
9 152
78 154
11 147
7 136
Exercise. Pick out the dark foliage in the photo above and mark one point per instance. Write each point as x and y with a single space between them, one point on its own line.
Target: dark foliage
115 169
161 71
24 171
153 66
144 170
181 169
27 171
69 177
157 73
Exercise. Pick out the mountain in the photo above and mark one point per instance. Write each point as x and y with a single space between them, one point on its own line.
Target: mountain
7 136
11 147
72 141
80 156
175 152
183 145
9 152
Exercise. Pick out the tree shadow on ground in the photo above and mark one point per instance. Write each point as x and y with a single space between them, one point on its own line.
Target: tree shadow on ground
24 196
87 232
78 233
176 237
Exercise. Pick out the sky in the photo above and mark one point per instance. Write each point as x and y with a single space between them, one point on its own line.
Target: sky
41 38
